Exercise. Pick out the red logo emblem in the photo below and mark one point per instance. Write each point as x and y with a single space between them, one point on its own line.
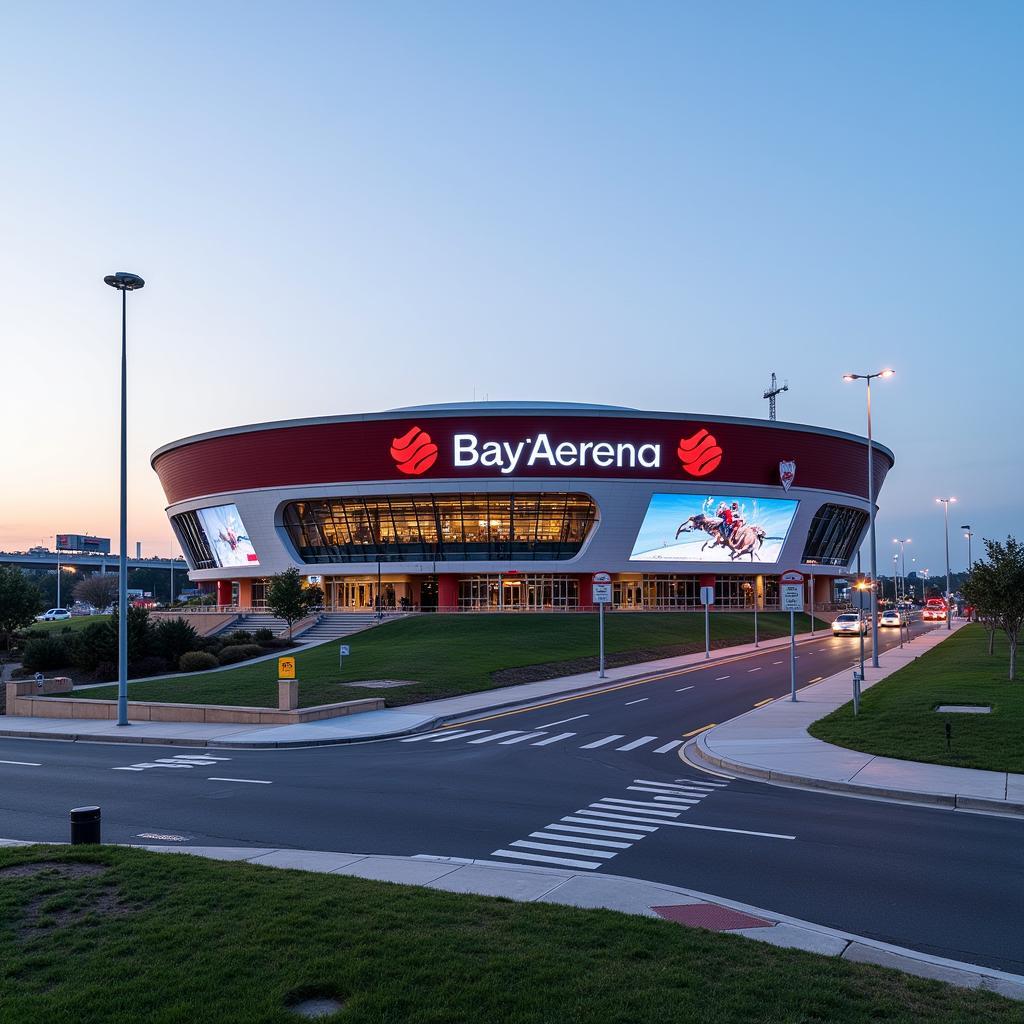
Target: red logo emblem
699 454
414 453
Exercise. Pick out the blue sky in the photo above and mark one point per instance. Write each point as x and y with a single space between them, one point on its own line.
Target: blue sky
342 207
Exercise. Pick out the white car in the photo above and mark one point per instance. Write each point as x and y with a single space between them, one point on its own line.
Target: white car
891 617
54 615
849 625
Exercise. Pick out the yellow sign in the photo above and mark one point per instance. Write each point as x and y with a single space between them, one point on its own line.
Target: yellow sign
285 668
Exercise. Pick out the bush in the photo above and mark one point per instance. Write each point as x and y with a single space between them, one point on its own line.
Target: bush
174 637
104 671
239 652
151 665
240 636
46 653
196 661
264 635
93 646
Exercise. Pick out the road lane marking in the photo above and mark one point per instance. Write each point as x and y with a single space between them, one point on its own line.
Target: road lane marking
703 728
601 743
756 669
255 782
651 789
551 725
553 739
736 831
704 782
611 824
497 736
27 764
637 743
426 736
817 679
585 840
761 703
625 817
718 679
776 662
624 808
459 735
520 739
547 860
682 800
667 747
678 784
594 831
639 701
199 757
552 848
685 688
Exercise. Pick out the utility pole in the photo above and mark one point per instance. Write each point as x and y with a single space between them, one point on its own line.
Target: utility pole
772 394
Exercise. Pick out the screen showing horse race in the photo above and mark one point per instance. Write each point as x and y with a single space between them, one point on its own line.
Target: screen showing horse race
696 528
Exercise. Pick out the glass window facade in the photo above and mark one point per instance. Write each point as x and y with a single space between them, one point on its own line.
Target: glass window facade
671 591
440 527
193 540
519 592
735 591
832 538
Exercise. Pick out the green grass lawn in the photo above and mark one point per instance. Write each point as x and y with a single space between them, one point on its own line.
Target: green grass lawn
73 624
898 719
114 936
444 655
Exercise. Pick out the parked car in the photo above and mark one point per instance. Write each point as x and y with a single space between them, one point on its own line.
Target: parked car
54 615
849 624
892 617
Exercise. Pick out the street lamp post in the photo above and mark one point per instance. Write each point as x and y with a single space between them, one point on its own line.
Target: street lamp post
124 283
945 502
903 542
867 378
969 534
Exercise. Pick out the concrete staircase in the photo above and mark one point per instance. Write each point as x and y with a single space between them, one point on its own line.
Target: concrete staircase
335 625
252 621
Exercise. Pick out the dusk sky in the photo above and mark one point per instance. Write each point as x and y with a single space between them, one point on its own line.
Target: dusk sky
344 207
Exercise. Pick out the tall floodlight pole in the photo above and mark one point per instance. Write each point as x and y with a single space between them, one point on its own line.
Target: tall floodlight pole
968 535
867 378
945 502
903 542
124 283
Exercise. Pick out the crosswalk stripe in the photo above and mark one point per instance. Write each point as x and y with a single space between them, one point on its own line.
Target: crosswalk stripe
520 739
553 739
678 784
585 840
497 736
429 735
568 862
677 801
697 782
663 792
625 817
626 809
460 736
527 845
601 743
637 743
644 803
610 824
594 831
667 747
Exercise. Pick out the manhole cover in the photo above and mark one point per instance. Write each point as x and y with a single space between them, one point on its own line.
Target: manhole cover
313 1009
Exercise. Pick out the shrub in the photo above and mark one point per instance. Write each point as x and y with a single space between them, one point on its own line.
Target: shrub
240 636
196 661
105 670
151 665
239 652
173 637
46 653
95 644
264 635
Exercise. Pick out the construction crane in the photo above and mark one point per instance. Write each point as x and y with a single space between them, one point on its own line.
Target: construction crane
772 394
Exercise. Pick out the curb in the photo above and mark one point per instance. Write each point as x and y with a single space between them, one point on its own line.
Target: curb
645 898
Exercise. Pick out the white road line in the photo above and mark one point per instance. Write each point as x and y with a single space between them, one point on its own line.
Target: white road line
685 802
200 757
700 782
667 747
429 735
678 784
527 845
27 764
459 735
664 792
498 736
624 808
197 760
684 689
609 824
718 679
638 701
551 725
736 831
553 739
776 662
626 817
255 782
127 769
637 743
676 801
586 840
757 668
594 831
547 860
520 739
601 743
173 762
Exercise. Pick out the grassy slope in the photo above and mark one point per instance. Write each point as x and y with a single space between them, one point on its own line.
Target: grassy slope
184 940
453 654
898 717
75 624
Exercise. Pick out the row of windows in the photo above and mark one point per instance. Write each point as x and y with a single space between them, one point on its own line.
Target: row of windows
684 592
440 527
193 540
523 592
834 533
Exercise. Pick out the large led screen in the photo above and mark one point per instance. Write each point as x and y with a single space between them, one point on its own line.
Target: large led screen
695 528
226 535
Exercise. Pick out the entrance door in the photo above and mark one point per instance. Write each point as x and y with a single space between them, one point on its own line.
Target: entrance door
512 594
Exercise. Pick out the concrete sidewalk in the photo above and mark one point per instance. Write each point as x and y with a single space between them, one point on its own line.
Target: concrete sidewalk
772 743
615 892
369 725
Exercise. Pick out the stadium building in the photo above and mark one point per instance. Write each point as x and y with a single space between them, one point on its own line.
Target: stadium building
514 506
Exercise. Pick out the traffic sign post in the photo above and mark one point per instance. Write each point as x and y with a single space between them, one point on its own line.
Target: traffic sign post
343 650
791 592
602 589
707 598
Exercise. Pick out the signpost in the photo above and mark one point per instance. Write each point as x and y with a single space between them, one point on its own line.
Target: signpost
287 687
602 588
707 598
791 594
343 651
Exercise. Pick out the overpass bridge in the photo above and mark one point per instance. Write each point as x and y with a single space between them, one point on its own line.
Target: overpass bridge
103 563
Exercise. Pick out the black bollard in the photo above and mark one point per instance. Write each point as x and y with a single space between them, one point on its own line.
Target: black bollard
949 737
85 825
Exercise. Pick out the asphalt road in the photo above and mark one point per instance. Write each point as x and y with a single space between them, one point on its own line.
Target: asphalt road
600 771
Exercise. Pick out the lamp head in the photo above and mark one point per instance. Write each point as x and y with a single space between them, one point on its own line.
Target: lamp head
124 282
886 373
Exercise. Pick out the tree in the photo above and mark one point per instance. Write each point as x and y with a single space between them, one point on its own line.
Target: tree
996 589
20 601
99 590
174 637
288 599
